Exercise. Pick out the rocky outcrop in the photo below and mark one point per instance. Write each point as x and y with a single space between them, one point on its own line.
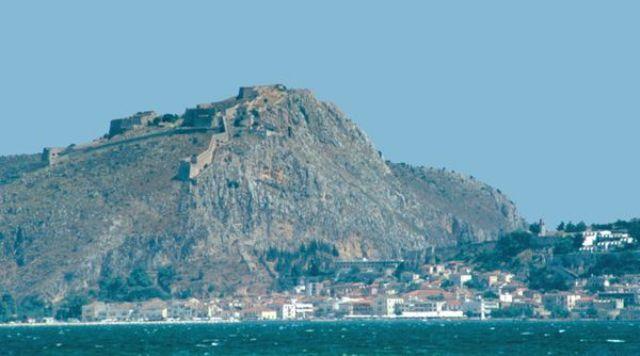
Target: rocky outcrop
291 169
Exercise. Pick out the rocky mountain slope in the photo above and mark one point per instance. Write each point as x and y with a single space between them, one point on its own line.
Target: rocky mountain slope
207 193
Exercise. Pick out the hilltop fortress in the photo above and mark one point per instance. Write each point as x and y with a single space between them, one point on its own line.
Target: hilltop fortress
219 119
229 197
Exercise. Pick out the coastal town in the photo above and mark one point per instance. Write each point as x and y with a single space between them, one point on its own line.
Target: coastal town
388 289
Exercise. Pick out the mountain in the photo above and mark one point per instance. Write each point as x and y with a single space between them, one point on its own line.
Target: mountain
196 201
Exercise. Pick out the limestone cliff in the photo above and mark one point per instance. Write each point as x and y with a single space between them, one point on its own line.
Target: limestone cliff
207 193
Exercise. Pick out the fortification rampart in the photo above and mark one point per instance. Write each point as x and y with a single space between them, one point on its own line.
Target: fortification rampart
133 122
190 168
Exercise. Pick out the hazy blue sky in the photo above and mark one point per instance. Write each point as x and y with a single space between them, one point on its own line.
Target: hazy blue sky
541 100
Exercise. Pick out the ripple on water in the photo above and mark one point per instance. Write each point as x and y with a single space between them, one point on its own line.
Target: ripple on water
615 341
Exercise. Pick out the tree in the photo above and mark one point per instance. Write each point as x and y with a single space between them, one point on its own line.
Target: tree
314 269
563 247
33 306
446 284
71 307
139 278
489 295
570 227
592 313
512 244
335 252
560 226
577 240
113 288
546 279
166 277
7 308
581 227
535 228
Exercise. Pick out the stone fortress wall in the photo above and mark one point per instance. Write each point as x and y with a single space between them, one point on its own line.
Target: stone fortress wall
132 122
192 166
203 118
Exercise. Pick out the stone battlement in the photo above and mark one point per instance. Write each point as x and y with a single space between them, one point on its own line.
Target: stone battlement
254 91
208 115
140 119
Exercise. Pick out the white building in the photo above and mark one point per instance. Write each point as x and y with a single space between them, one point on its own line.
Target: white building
459 279
506 298
603 240
303 310
288 312
560 300
386 305
481 307
429 309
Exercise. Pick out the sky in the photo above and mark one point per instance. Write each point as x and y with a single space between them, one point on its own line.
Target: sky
539 99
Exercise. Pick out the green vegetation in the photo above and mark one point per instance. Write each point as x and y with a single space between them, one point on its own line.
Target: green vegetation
166 277
632 227
8 309
547 279
570 227
314 259
33 306
505 251
71 307
616 264
513 244
513 312
137 286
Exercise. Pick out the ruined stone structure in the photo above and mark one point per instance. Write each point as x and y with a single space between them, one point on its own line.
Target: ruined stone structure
247 93
253 92
51 155
133 122
207 115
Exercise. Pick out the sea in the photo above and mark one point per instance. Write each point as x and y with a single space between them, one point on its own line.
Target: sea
328 338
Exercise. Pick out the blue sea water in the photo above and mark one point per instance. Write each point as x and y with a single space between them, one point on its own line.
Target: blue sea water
331 338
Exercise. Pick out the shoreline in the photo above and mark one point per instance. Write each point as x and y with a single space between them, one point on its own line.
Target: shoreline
213 322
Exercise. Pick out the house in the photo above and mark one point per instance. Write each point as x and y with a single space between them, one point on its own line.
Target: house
188 309
434 269
259 313
153 310
629 298
459 279
95 311
428 309
120 311
561 300
480 307
287 311
506 298
362 308
388 305
604 240
303 310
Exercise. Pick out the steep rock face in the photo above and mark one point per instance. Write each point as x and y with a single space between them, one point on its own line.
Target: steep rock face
291 169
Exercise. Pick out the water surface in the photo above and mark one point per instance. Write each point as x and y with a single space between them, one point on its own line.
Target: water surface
344 337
